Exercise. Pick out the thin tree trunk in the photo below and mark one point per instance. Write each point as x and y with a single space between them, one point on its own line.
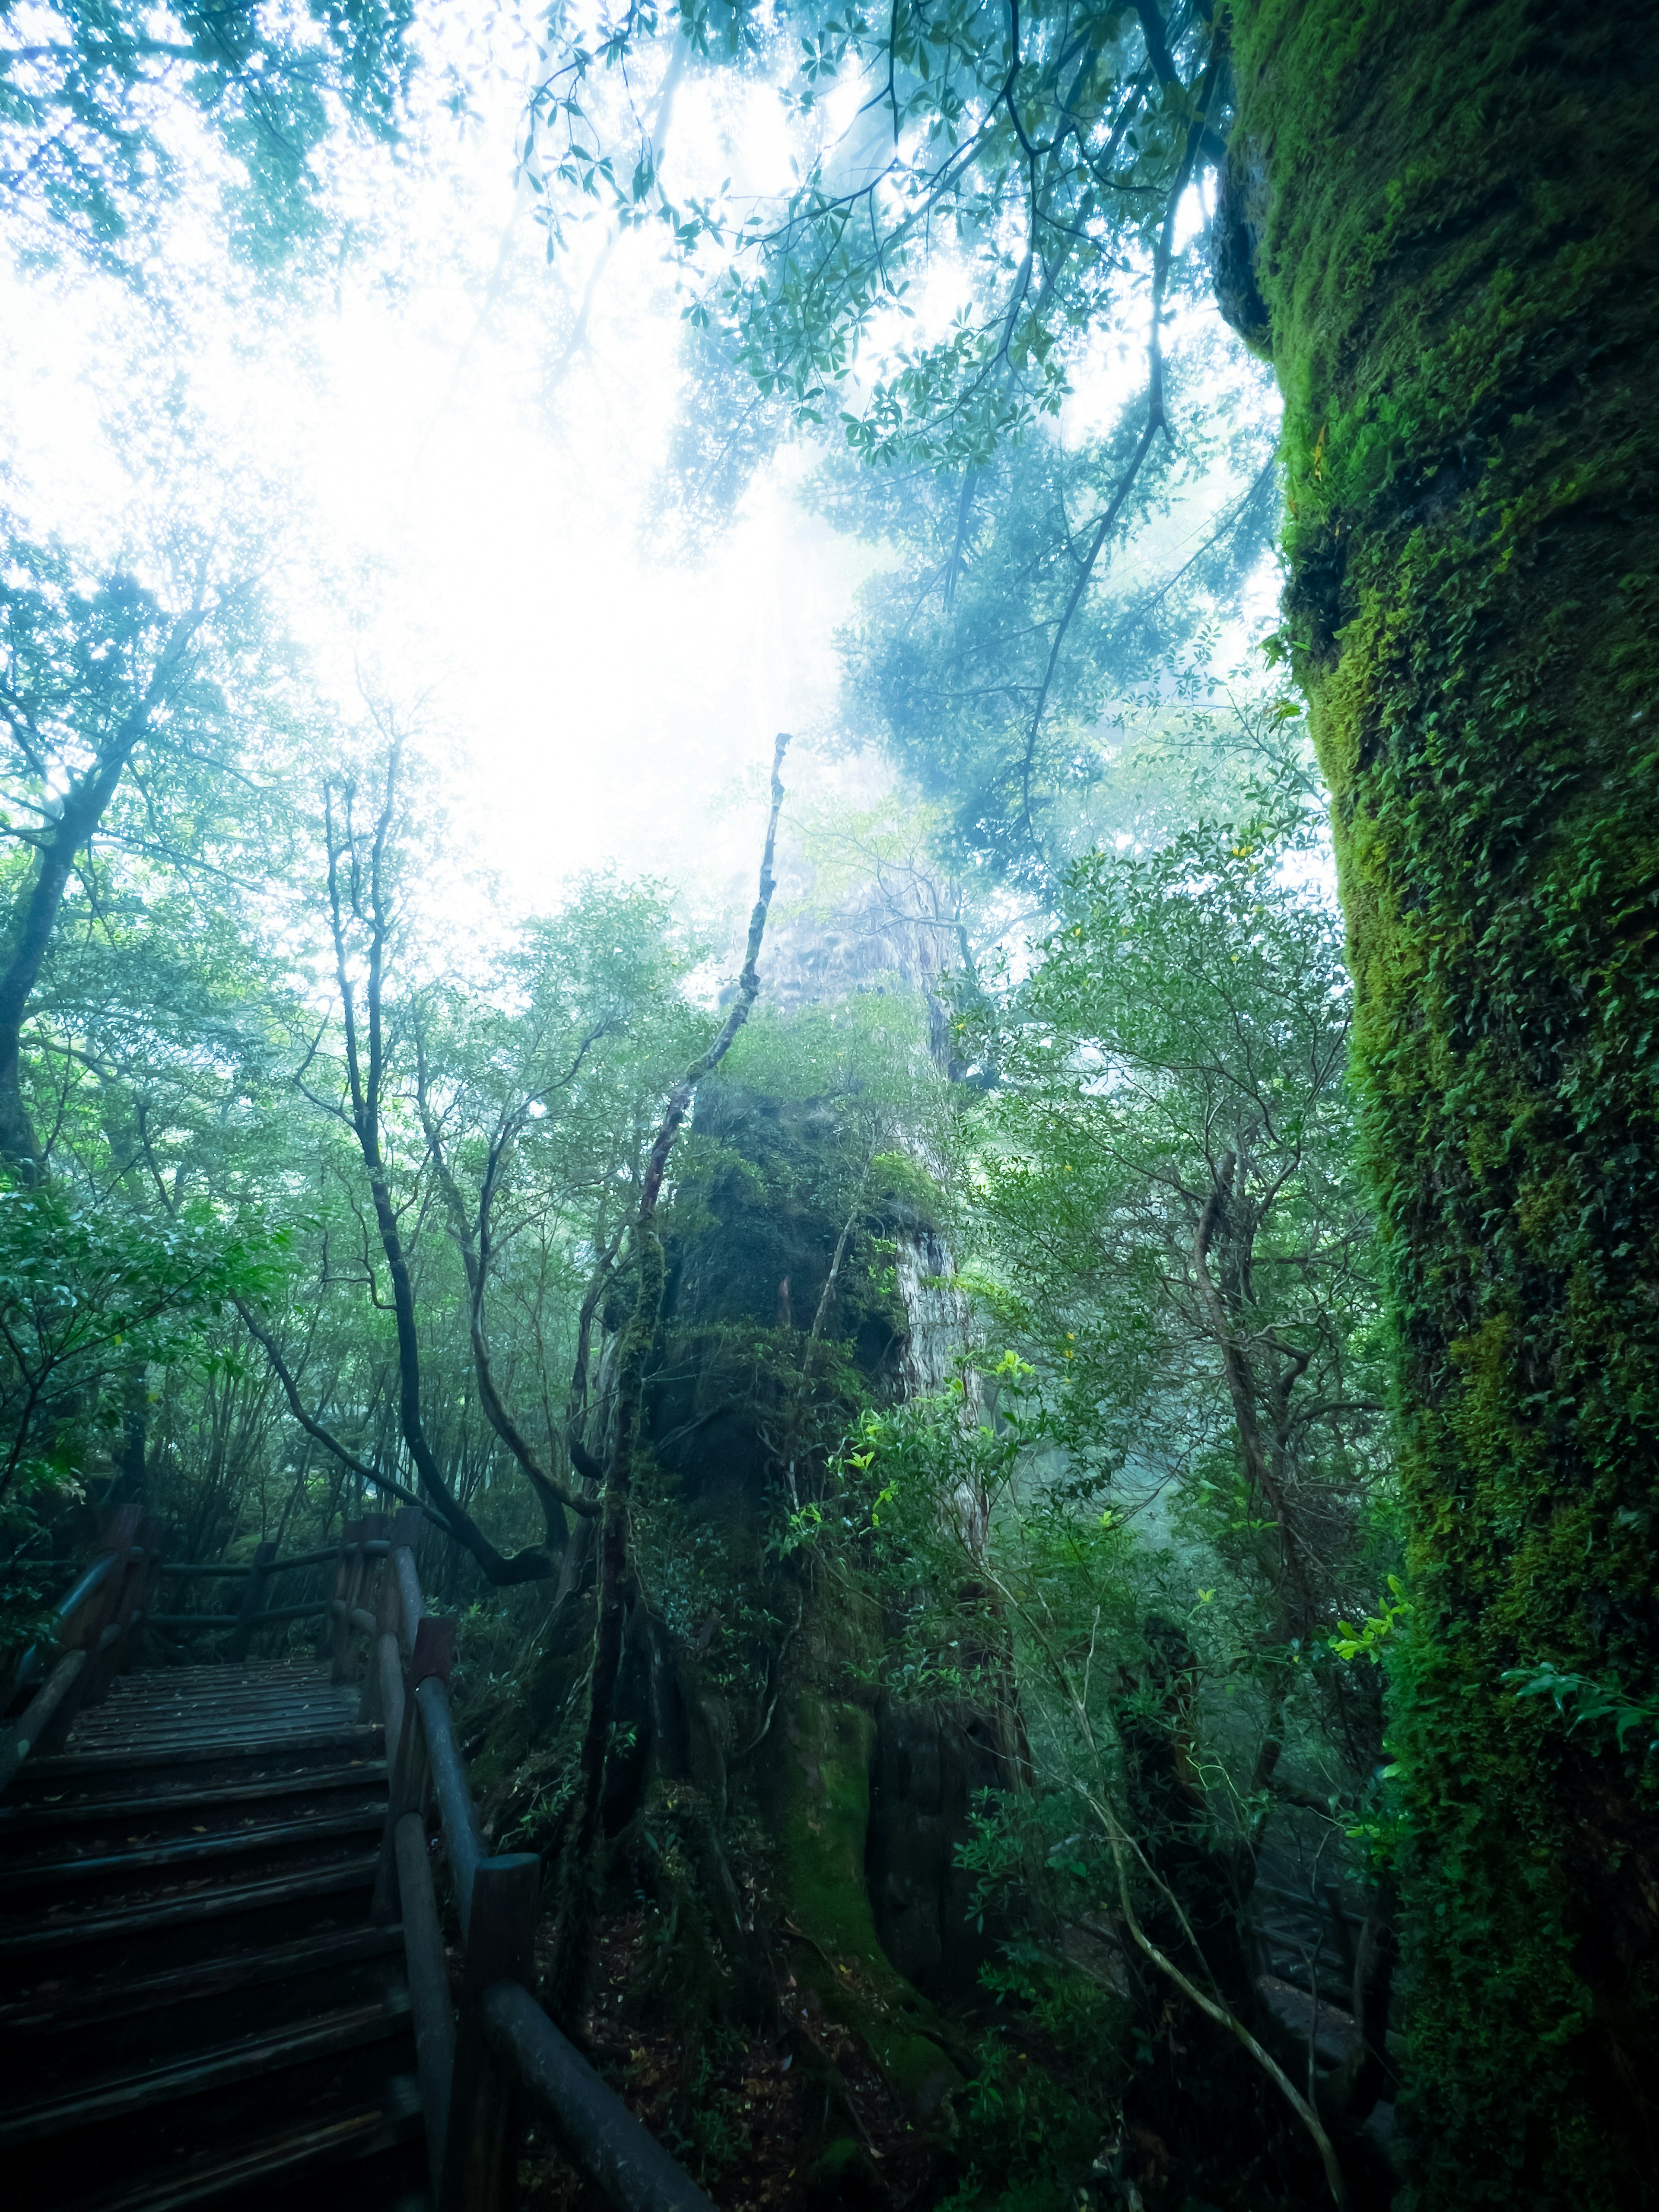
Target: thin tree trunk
570 1968
1264 1473
34 912
475 1244
359 895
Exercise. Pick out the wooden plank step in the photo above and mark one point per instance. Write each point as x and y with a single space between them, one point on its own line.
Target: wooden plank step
222 1669
67 1765
218 1719
172 1711
86 1811
216 1722
310 2147
206 2071
252 1693
144 1681
76 1929
229 1686
187 1681
226 1721
155 1681
160 1750
55 2011
192 1850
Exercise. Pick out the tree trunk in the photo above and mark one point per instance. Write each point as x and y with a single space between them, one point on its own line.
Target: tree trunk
34 911
33 918
1450 222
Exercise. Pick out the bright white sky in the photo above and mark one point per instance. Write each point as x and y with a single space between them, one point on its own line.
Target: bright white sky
470 528
472 534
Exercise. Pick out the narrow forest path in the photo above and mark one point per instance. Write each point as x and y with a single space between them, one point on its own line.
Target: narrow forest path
195 2009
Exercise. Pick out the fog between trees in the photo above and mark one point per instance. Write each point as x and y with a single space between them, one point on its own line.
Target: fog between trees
1023 1319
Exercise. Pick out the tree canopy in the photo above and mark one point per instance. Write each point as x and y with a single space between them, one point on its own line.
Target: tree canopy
1037 1414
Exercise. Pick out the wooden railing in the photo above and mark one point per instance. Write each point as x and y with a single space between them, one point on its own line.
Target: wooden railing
255 1574
483 2060
486 2056
101 1611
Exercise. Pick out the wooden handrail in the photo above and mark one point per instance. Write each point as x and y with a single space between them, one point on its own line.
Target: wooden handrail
312 1612
107 1601
589 2121
477 2062
21 1738
377 1549
353 1555
89 1579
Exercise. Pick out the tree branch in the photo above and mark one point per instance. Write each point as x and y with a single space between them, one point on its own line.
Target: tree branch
313 1427
570 1965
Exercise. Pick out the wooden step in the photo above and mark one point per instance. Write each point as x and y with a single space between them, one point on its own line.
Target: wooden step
69 1767
168 1729
113 1719
287 2156
143 1723
186 1852
206 2071
56 2010
20 1819
153 1684
227 1670
76 1928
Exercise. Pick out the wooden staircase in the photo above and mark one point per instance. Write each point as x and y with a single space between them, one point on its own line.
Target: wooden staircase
227 1973
195 2009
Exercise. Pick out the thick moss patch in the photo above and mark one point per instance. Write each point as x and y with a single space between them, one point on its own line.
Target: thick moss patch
1460 254
821 1773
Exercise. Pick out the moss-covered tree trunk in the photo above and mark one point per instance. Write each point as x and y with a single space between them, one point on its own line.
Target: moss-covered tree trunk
1451 215
754 1785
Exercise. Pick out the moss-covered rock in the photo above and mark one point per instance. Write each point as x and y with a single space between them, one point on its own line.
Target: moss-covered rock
820 1790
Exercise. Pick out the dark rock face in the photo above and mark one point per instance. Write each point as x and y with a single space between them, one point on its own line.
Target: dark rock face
754 1257
931 1762
757 1259
766 1253
1235 240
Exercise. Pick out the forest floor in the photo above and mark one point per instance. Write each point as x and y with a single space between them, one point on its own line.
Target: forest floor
748 2117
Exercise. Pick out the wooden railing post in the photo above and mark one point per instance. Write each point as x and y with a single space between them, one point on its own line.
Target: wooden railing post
406 1528
499 1948
105 1664
85 1632
253 1602
398 1616
358 1580
431 2005
345 1587
383 1684
377 1580
149 1590
434 1653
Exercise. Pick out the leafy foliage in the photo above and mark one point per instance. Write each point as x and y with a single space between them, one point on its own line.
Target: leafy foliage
91 99
89 1300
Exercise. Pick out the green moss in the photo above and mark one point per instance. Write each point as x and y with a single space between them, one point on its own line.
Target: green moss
822 1780
843 2176
1460 259
839 2163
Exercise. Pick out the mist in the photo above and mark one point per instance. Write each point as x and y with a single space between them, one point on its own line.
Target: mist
821 1025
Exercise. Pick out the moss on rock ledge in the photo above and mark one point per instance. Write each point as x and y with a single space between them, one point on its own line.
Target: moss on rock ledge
820 1783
